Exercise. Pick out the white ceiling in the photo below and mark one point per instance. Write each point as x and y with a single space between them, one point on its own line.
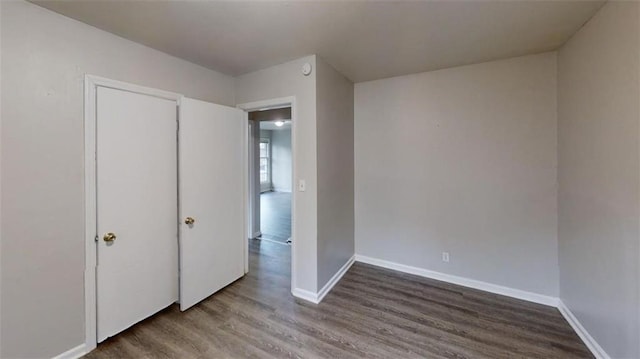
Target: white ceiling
365 40
271 125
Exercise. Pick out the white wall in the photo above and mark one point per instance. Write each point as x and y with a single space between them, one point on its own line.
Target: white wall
281 160
599 177
323 132
265 134
44 59
335 171
254 180
282 81
462 160
0 180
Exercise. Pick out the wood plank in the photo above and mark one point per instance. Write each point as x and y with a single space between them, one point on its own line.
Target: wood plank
372 312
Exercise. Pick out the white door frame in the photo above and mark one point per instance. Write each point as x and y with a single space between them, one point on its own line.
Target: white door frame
253 221
289 101
91 83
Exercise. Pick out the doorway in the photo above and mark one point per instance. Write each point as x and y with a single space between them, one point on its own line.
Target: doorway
271 196
275 174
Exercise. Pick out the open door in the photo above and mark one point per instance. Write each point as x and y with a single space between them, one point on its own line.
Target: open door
211 188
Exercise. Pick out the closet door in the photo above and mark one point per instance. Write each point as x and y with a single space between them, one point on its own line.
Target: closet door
137 264
212 230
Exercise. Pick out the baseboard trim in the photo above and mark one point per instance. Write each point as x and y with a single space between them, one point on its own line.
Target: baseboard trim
304 294
336 278
73 353
282 190
316 298
588 340
465 282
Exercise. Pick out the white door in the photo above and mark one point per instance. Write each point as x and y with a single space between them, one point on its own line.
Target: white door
211 162
137 264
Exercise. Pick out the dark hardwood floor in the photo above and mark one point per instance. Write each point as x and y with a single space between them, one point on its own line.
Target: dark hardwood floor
372 312
275 216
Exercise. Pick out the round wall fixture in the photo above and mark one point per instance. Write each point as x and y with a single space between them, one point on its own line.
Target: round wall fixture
306 69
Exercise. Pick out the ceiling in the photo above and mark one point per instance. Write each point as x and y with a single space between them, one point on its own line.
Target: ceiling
269 117
271 125
271 114
364 40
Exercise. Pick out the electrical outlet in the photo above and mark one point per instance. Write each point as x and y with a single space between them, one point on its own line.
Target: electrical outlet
445 256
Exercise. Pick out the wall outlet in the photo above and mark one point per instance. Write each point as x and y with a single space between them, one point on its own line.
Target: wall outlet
445 256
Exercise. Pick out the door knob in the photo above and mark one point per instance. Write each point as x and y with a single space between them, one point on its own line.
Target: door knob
189 220
109 237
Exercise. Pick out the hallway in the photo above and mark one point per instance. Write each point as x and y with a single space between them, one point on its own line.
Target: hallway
275 216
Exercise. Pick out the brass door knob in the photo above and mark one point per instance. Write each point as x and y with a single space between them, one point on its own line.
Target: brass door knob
189 220
109 237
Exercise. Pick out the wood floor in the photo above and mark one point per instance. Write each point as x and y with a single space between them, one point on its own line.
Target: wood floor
372 312
275 216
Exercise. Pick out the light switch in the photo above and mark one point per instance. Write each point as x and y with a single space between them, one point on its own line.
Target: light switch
302 185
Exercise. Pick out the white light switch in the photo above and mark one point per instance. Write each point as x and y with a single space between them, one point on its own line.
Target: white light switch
302 185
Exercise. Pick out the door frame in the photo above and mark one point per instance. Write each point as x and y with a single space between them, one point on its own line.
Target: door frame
289 101
91 83
253 223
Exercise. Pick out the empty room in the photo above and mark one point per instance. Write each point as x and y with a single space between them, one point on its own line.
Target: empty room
319 179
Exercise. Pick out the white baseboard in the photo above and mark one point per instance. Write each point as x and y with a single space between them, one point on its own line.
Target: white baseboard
316 298
465 282
307 295
588 340
335 279
73 353
284 190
